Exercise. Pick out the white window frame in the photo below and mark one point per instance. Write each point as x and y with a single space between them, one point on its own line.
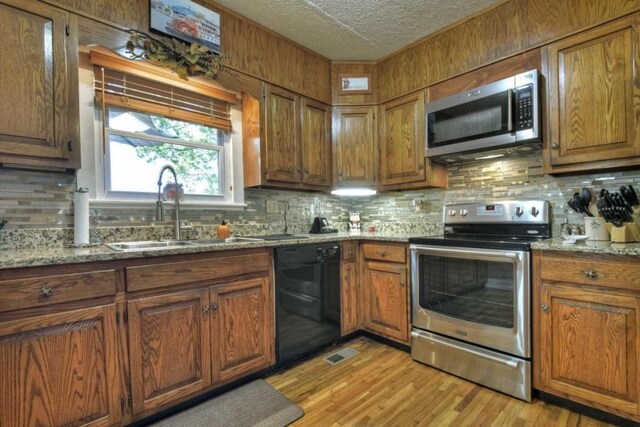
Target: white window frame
94 172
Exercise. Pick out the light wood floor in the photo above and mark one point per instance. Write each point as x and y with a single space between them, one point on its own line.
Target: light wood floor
383 386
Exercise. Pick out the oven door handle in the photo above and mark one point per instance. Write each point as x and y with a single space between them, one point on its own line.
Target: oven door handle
468 253
507 361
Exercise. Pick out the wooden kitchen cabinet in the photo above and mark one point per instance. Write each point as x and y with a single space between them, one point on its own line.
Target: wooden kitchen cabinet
169 347
242 328
61 369
402 162
586 334
594 99
286 141
386 293
39 119
315 140
349 300
354 146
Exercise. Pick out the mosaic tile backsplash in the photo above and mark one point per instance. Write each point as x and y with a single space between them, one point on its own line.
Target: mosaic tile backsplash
31 201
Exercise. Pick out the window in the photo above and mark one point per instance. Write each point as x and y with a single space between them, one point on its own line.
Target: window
136 118
144 142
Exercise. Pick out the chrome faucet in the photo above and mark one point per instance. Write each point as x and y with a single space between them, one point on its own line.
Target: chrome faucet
286 208
176 196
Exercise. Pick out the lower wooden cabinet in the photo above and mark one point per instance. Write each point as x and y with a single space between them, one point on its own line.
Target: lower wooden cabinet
242 328
386 299
60 370
349 298
586 336
169 347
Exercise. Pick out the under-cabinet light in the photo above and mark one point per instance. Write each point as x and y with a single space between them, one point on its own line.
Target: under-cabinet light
354 192
492 156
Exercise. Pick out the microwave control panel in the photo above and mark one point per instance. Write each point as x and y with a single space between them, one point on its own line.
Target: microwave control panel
524 107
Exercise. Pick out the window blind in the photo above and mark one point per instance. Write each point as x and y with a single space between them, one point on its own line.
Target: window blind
127 90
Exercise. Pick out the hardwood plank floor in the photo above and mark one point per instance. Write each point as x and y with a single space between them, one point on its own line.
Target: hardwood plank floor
383 386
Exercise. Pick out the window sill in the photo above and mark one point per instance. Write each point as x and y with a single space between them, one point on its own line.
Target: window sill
150 204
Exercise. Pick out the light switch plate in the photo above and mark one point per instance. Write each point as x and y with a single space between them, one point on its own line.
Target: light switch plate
272 206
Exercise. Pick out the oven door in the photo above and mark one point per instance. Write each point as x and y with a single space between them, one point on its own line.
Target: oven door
470 121
477 295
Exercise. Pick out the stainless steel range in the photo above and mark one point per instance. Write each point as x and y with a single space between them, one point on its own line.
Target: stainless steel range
471 293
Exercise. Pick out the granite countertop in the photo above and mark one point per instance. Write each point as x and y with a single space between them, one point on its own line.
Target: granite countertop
18 258
594 247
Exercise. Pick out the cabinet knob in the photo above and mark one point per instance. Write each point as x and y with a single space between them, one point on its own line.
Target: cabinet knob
46 292
421 166
306 171
345 278
214 306
555 145
382 253
591 274
205 309
402 283
545 307
339 173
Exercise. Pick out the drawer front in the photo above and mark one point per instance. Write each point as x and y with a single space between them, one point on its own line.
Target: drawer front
178 273
596 270
46 290
381 252
349 251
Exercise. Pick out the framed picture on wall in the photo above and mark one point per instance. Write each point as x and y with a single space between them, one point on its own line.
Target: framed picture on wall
353 84
187 21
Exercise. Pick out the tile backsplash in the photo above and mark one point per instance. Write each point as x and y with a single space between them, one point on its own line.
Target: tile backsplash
35 200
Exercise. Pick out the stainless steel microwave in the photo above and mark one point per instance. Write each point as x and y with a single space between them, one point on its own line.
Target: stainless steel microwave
499 116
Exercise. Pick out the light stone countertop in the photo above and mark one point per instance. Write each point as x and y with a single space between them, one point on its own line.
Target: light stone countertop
19 258
593 247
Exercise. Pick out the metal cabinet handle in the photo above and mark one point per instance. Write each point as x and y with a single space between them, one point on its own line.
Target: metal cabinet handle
402 283
545 307
555 145
382 253
46 292
421 166
205 309
591 274
350 252
214 306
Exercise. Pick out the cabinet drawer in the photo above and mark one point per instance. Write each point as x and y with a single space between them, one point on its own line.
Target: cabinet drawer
178 273
349 251
45 290
381 252
596 270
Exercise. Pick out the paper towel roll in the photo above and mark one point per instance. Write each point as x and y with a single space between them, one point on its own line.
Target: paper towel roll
81 216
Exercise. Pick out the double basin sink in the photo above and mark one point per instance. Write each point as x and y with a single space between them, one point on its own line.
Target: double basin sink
174 244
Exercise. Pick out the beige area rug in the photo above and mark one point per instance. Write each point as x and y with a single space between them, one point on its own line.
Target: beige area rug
254 404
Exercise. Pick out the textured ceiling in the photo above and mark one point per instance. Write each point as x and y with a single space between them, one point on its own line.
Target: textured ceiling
355 29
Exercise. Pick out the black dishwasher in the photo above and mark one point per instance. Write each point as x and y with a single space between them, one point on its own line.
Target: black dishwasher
307 299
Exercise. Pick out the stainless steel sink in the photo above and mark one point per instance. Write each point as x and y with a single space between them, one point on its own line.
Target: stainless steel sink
227 240
148 245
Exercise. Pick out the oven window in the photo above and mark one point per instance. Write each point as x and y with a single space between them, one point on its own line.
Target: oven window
477 291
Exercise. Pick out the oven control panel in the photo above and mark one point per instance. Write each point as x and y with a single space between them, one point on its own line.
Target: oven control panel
510 211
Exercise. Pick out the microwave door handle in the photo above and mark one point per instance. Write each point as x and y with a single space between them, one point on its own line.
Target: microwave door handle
510 110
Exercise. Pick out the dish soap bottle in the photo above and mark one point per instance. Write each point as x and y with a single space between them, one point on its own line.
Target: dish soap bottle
223 230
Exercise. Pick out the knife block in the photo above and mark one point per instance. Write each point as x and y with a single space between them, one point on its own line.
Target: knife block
628 233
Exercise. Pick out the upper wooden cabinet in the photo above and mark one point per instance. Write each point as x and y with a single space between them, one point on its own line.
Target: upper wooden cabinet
594 99
60 369
39 121
587 336
316 143
402 142
354 146
286 141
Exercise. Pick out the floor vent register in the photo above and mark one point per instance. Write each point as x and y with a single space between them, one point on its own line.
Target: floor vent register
340 356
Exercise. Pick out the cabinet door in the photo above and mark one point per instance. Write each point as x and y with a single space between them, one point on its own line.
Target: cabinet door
402 140
588 347
349 298
594 95
387 308
282 156
316 143
354 146
242 329
169 347
60 370
38 84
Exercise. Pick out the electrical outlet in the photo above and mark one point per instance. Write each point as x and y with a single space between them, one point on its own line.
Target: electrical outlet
272 206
